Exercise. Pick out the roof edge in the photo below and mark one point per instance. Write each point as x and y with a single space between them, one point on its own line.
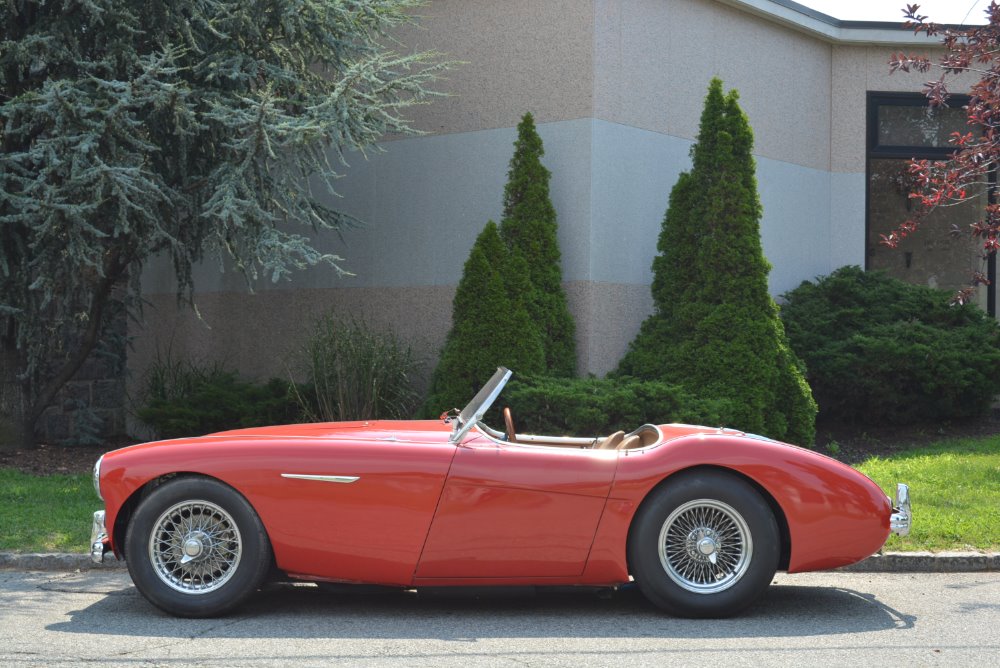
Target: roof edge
828 28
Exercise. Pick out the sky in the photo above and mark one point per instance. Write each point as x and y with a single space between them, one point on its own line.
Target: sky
939 11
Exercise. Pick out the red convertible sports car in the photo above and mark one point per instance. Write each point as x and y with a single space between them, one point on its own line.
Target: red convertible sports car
700 518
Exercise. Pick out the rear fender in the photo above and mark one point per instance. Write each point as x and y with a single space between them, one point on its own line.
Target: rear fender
834 515
776 509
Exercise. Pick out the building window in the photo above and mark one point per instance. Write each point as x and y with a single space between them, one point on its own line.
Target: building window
942 254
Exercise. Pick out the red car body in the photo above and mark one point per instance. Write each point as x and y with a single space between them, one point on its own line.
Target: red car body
425 511
701 518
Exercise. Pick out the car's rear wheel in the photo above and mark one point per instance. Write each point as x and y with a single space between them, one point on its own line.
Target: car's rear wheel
705 544
196 548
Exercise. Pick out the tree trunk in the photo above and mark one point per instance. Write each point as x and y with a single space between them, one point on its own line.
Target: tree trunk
14 432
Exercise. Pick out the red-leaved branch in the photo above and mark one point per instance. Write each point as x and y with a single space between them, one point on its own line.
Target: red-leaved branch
968 50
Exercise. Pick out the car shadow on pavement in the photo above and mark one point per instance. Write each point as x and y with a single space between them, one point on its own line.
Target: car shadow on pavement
307 611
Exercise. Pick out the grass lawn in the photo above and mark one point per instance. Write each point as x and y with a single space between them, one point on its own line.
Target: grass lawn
954 488
954 492
46 513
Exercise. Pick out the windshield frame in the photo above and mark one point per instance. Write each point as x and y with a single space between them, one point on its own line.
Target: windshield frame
476 409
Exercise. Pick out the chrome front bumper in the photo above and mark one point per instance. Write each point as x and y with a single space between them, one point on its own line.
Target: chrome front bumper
98 538
902 516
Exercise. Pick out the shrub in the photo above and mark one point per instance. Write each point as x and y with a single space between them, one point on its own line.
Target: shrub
509 308
715 330
593 406
490 327
529 227
189 399
354 372
881 350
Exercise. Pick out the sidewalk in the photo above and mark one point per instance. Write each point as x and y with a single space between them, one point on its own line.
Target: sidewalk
891 562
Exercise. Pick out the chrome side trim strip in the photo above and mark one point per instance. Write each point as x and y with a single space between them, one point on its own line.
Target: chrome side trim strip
322 478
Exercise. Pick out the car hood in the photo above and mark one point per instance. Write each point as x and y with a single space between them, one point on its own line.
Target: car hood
360 429
418 431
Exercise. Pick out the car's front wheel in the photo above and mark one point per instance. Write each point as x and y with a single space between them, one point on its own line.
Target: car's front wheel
705 544
196 548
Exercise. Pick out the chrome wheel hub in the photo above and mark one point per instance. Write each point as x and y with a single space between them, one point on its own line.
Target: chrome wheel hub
705 546
195 547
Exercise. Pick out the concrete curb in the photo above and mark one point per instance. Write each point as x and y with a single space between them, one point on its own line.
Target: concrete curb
927 562
890 562
58 561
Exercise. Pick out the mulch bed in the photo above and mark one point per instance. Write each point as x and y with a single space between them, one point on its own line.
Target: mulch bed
52 459
855 443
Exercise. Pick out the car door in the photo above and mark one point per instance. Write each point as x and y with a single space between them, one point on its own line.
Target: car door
354 509
510 510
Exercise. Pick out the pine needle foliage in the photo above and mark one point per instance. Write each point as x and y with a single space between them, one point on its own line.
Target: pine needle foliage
185 128
490 325
881 351
529 225
715 329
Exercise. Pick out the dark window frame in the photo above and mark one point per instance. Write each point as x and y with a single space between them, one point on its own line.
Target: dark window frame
874 150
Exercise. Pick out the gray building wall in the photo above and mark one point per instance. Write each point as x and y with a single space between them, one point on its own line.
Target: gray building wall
616 89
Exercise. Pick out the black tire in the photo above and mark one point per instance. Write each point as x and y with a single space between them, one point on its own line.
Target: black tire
687 522
212 526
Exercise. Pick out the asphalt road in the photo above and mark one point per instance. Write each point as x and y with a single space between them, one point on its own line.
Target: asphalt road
831 619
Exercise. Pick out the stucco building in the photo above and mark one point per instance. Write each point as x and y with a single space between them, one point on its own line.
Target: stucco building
616 87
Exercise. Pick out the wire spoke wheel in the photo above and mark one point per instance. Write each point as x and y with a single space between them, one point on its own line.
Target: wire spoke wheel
705 543
195 547
705 546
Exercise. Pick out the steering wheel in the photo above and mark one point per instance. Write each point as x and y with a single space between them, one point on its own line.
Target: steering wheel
508 423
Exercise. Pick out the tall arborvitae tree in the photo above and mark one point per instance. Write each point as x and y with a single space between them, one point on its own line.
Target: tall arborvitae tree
490 326
130 129
715 329
529 225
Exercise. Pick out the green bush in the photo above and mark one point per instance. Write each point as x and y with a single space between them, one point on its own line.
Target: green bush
593 406
715 330
529 227
881 350
188 399
354 372
490 326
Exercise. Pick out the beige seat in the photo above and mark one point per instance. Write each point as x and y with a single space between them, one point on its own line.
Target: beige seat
649 435
629 443
611 442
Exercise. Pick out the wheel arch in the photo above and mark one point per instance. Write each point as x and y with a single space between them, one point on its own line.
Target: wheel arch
785 550
131 504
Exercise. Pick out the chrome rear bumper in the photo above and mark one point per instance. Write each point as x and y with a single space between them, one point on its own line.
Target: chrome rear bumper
902 516
98 538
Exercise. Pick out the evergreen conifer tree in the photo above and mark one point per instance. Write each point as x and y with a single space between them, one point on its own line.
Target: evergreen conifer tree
130 129
529 225
490 325
715 329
